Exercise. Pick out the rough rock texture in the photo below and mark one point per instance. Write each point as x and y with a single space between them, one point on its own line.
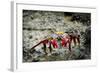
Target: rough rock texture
37 25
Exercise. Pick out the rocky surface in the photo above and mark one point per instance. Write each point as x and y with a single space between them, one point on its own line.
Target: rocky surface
37 25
